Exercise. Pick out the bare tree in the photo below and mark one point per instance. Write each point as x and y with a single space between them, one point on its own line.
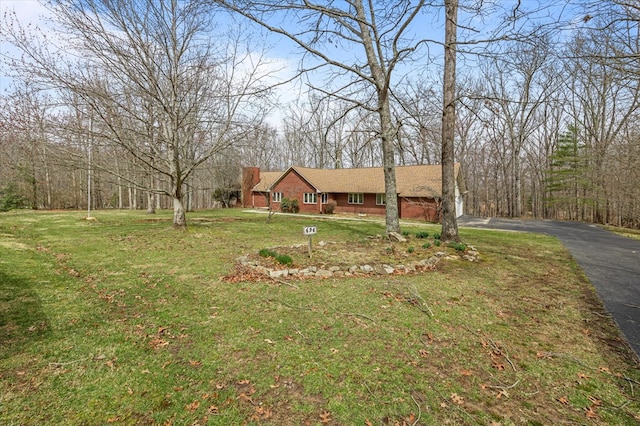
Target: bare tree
449 218
163 90
379 37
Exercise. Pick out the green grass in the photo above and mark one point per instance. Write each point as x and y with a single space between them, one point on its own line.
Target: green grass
625 232
125 320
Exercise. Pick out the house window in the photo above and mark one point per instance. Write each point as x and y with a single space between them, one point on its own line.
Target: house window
356 198
276 196
324 198
310 198
381 199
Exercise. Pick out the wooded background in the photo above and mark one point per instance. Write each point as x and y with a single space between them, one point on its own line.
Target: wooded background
547 121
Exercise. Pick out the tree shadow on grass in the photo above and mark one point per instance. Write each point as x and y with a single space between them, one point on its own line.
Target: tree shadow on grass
22 319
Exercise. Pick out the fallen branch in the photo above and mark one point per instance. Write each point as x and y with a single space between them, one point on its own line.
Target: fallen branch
631 306
502 352
496 349
420 302
286 283
631 382
565 356
503 388
419 411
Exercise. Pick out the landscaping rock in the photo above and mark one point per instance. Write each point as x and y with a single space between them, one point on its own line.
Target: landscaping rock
366 269
394 236
432 261
279 273
323 273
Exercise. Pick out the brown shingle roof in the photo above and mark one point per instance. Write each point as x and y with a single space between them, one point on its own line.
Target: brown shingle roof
266 180
411 181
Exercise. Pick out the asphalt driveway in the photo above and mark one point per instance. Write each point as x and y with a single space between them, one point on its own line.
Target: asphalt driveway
611 263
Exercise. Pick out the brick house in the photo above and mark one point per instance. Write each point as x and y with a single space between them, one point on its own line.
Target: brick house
359 191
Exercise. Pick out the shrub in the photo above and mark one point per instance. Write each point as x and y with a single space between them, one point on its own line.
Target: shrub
422 234
426 245
458 246
436 236
285 205
267 253
405 233
410 249
293 206
330 207
10 199
284 259
289 205
437 243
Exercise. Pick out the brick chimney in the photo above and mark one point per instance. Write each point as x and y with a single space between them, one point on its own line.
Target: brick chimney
250 178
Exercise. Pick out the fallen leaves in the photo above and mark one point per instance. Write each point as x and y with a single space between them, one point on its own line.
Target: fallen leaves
590 412
325 417
457 399
261 413
158 343
193 406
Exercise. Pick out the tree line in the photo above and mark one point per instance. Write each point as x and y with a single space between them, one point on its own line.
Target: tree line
159 105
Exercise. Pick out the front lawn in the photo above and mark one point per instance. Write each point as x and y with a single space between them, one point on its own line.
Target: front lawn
124 320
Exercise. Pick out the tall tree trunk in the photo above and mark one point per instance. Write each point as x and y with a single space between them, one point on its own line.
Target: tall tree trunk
387 136
151 206
179 215
449 218
392 217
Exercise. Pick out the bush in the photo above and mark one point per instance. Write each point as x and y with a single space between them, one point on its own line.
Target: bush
267 253
330 207
405 233
436 236
458 246
422 234
289 205
437 243
10 199
285 205
426 245
410 249
284 259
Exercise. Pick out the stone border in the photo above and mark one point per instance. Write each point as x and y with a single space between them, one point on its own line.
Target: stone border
429 264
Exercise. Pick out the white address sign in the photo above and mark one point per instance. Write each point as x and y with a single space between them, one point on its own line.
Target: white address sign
310 230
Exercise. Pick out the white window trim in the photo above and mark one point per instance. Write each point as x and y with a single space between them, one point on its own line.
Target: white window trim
324 198
312 195
276 197
384 199
358 195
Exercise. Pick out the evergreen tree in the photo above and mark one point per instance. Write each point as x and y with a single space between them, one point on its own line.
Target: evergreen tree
567 182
